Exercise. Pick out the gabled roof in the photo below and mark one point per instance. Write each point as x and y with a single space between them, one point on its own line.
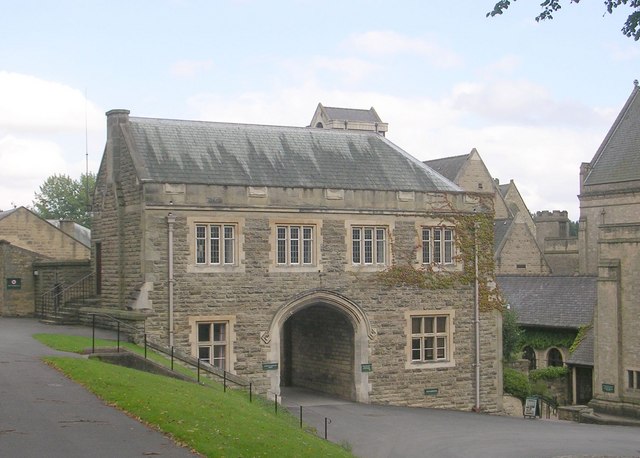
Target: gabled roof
583 354
618 158
550 301
448 167
174 151
352 114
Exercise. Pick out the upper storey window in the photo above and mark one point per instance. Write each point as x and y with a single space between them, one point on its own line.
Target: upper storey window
369 245
215 244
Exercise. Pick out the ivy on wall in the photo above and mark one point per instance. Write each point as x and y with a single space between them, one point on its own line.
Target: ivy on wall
541 339
582 333
471 231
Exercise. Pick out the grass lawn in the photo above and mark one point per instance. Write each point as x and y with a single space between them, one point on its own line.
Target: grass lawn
203 418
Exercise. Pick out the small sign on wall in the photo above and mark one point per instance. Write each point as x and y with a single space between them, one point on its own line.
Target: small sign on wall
366 367
269 366
608 388
431 391
14 283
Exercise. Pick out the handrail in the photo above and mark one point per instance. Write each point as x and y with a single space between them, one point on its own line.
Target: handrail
54 300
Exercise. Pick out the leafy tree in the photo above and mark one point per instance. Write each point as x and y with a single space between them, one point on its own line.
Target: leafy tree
631 27
62 197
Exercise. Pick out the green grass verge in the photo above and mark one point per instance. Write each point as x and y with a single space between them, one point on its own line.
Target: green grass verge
203 418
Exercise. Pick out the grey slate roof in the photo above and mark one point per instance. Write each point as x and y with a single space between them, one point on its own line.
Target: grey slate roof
80 233
352 114
583 355
503 188
550 301
5 213
448 166
193 152
500 231
618 158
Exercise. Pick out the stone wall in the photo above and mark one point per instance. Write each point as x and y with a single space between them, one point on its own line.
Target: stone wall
16 262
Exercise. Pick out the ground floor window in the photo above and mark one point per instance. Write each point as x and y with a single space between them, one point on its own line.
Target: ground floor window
554 358
213 343
634 379
430 337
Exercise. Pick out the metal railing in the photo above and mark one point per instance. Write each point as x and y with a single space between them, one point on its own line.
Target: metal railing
53 302
194 363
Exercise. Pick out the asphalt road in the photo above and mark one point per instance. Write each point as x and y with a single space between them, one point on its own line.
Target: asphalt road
43 414
384 431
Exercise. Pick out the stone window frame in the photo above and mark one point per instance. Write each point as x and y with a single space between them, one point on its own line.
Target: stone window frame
388 222
229 321
285 238
237 223
436 364
291 221
443 242
456 266
222 242
633 380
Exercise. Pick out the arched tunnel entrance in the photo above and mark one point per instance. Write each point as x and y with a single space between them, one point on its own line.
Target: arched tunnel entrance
317 351
320 340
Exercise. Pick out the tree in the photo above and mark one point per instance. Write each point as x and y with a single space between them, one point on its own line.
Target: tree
631 27
62 197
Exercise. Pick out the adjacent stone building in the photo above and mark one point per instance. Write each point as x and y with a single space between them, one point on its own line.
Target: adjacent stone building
323 258
516 250
36 255
609 246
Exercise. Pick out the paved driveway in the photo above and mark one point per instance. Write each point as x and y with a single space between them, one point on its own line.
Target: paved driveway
43 414
384 431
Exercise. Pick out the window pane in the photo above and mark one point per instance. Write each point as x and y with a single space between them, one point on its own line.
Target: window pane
448 246
229 243
215 251
380 246
416 325
441 349
428 349
282 245
437 247
219 352
428 325
219 332
204 353
201 234
368 245
415 349
204 332
355 234
295 245
426 246
442 324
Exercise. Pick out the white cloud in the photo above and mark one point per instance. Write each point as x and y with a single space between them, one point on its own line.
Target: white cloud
42 132
386 42
190 68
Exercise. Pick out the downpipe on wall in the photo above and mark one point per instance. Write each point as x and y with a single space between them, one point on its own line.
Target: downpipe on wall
476 312
171 219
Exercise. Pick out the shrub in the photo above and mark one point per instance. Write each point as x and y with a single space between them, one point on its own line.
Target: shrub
548 373
516 383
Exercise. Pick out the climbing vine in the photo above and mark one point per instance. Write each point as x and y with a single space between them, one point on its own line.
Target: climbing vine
541 339
472 231
582 333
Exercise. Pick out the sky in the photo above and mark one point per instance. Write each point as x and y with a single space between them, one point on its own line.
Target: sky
535 99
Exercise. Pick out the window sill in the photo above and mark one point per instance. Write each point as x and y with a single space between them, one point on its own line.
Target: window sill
415 365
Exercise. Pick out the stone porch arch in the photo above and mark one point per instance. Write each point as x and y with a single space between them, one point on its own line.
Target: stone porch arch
363 332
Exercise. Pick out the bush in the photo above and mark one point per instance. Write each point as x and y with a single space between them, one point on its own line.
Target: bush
511 336
548 373
516 383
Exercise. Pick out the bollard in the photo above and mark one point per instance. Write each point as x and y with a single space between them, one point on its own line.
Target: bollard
275 398
172 357
300 417
93 333
325 428
250 392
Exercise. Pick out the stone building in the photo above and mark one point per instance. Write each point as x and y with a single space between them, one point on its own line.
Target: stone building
554 310
294 256
36 255
608 241
516 250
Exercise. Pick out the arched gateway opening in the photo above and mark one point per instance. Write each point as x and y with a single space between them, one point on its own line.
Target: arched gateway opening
320 340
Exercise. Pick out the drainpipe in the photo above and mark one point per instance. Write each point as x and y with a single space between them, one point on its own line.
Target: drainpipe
477 317
171 220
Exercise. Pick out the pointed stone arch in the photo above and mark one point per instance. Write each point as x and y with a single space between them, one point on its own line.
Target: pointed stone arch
363 333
